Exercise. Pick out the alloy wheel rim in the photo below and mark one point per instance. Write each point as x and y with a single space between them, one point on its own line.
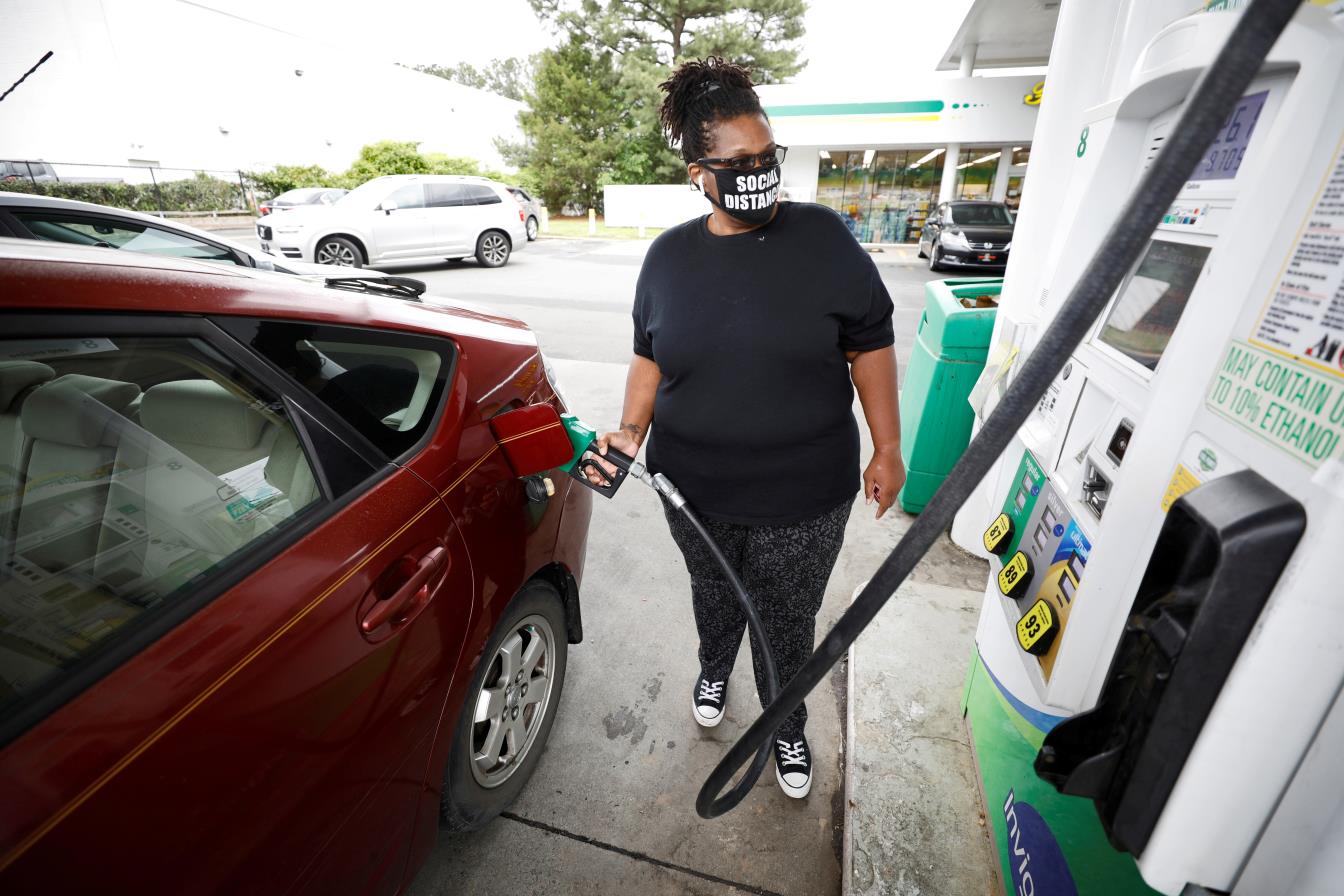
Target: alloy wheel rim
531 229
513 701
494 249
337 254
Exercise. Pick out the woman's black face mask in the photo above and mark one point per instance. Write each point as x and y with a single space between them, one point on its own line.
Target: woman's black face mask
749 196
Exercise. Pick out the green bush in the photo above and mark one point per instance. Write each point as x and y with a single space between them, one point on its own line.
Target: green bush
204 193
201 193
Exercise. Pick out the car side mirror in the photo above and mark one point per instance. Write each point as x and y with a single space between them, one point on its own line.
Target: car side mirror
388 206
533 439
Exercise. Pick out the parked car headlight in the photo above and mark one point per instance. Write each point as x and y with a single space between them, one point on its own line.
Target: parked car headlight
955 240
1009 247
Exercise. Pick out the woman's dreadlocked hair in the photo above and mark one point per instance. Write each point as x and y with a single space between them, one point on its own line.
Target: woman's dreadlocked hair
699 94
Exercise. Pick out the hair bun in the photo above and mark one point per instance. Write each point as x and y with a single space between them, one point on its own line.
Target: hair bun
700 92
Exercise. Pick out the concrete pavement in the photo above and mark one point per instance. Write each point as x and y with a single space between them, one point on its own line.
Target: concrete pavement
611 806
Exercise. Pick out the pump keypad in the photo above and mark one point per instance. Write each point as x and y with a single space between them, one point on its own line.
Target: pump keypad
1037 628
1015 576
999 535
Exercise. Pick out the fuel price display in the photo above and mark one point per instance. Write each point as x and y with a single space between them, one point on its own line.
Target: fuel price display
1224 155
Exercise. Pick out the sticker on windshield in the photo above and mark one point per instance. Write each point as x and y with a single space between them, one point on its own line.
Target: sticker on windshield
35 349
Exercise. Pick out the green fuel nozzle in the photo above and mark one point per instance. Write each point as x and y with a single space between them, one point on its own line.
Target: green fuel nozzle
587 460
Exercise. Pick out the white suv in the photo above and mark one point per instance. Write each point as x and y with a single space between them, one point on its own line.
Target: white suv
402 217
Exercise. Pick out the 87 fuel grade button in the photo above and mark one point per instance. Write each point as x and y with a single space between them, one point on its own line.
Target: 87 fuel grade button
1037 628
1015 575
999 534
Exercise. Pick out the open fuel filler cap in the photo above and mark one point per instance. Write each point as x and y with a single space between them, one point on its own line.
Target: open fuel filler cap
999 535
1037 628
1015 576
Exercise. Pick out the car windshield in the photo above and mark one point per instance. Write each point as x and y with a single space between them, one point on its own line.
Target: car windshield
367 195
980 215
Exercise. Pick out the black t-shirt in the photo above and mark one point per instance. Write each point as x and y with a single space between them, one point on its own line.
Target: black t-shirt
753 419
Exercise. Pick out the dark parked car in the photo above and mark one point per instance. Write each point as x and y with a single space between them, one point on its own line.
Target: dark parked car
967 234
302 196
274 606
20 169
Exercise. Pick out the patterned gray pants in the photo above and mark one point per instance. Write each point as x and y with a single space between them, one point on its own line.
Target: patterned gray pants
784 569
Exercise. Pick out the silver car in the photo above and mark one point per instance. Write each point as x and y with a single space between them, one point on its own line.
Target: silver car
402 217
83 223
531 207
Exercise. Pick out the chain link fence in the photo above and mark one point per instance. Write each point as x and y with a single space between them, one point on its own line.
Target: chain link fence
167 192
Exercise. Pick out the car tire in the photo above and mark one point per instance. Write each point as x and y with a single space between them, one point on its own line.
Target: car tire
920 246
532 229
338 250
935 264
492 249
477 785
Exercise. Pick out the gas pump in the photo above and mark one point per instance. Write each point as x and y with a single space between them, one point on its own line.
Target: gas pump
1161 629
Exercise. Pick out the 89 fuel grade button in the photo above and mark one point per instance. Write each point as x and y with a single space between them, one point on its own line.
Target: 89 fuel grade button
1037 628
999 534
1015 576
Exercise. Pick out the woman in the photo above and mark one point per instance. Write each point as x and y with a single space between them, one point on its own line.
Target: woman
750 325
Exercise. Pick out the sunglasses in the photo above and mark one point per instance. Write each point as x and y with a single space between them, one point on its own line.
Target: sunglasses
743 164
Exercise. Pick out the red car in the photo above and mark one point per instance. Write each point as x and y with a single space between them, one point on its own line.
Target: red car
273 605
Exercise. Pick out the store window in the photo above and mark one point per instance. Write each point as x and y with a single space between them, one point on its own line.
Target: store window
1017 177
975 173
884 195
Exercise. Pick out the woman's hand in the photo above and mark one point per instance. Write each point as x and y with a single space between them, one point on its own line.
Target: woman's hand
883 478
625 440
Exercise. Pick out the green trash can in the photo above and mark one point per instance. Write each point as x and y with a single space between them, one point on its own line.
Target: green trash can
949 354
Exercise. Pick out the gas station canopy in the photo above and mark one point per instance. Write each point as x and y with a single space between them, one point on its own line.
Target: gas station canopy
1004 34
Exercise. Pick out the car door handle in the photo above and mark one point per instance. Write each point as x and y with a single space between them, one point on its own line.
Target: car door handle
416 588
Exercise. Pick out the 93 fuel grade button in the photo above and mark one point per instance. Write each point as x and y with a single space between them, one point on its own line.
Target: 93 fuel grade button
999 534
1015 576
1037 628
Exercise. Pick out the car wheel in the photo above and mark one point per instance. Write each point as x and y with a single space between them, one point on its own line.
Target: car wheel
492 249
935 264
510 709
531 229
339 251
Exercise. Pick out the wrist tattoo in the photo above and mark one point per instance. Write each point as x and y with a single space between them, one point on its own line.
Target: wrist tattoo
632 428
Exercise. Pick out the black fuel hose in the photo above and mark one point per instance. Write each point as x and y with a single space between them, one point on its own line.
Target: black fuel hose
1211 101
754 625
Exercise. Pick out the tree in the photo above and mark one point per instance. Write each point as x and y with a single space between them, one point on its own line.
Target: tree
647 37
510 77
760 34
574 125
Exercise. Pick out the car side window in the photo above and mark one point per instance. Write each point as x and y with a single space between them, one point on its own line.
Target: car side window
447 195
409 196
130 236
388 386
480 194
133 472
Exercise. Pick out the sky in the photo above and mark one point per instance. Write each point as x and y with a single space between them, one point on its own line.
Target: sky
847 42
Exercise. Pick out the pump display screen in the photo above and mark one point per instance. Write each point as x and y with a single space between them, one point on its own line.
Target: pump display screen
1223 158
1151 302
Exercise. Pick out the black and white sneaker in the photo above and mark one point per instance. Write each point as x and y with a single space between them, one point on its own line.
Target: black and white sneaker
793 767
708 701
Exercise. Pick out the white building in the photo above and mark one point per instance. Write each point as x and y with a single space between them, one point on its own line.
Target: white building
163 82
884 154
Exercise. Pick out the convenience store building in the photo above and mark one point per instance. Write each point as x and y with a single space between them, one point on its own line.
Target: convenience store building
883 161
883 157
